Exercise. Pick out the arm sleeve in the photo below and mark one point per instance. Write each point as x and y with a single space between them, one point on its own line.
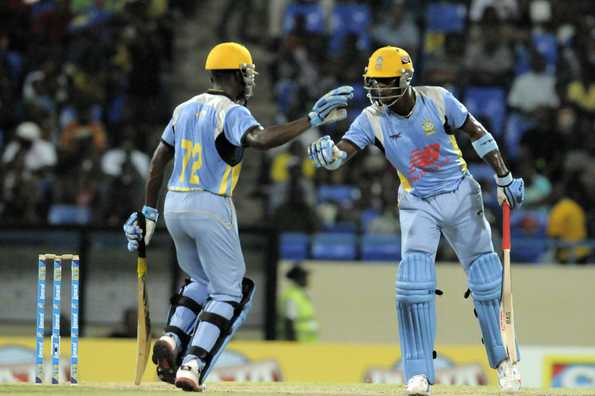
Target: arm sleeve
456 112
238 121
360 132
168 134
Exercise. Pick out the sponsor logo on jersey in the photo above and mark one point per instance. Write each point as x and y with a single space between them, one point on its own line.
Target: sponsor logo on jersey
428 127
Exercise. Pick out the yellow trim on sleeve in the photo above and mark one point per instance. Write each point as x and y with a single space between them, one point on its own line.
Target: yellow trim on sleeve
460 158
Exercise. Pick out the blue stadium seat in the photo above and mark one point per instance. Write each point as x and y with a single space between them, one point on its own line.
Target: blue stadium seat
367 216
334 246
69 214
489 102
350 18
547 45
381 247
293 246
446 18
340 193
528 249
313 13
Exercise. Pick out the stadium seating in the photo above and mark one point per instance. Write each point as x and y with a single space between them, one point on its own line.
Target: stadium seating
69 214
293 246
313 14
381 247
528 249
350 18
341 194
489 102
334 246
446 18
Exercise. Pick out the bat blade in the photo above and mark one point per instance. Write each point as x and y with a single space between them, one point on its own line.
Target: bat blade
143 328
506 304
143 331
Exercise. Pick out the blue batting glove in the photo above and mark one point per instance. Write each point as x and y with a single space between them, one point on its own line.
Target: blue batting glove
326 154
133 232
331 106
510 190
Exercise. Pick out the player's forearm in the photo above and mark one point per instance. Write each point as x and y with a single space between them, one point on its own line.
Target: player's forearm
267 138
495 160
162 155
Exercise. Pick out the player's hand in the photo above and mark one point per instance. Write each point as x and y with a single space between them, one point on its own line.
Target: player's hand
331 107
510 190
133 231
326 154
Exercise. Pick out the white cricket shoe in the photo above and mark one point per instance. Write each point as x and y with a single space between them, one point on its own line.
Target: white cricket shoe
165 355
418 385
187 377
509 376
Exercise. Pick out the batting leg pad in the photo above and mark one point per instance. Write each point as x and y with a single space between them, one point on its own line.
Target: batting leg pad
184 309
485 283
226 317
416 312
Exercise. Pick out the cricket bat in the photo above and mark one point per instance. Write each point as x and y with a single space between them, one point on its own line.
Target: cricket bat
506 308
143 328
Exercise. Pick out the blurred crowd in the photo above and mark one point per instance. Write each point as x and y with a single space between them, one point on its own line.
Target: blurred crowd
81 94
81 84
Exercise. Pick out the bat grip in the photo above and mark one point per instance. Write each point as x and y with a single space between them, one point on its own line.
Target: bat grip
505 226
142 251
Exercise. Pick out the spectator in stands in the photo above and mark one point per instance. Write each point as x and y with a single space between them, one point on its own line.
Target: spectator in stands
534 90
568 223
295 212
537 187
297 311
83 134
38 154
505 9
581 92
396 25
488 58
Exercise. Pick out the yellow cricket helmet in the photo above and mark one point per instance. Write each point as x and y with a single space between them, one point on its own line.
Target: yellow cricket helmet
233 56
228 56
388 75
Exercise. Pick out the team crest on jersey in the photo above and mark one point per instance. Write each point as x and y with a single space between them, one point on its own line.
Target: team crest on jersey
428 127
379 62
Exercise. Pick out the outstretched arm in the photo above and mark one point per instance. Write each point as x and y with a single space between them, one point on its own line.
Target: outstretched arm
267 138
508 189
329 108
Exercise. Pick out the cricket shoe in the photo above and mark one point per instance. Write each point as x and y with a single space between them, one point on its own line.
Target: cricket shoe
187 377
165 355
509 376
418 385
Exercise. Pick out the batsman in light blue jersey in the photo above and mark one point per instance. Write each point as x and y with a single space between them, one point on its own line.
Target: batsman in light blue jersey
414 127
206 137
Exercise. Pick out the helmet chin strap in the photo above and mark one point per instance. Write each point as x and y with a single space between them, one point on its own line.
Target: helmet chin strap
379 105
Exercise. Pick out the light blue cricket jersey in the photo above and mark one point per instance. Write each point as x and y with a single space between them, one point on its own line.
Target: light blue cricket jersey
206 132
428 159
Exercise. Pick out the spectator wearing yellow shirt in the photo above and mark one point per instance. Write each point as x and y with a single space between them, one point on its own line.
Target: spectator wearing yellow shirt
581 92
568 225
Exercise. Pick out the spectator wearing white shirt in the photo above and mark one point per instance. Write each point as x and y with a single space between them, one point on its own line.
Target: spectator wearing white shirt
38 153
534 90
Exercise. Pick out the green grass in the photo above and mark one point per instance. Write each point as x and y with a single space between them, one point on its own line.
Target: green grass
266 389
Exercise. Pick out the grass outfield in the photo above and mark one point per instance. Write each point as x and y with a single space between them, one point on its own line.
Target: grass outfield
266 389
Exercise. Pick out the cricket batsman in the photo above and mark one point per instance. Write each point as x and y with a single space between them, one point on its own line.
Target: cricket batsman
206 138
414 128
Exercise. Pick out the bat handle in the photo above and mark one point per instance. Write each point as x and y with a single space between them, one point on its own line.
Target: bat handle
505 226
142 251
